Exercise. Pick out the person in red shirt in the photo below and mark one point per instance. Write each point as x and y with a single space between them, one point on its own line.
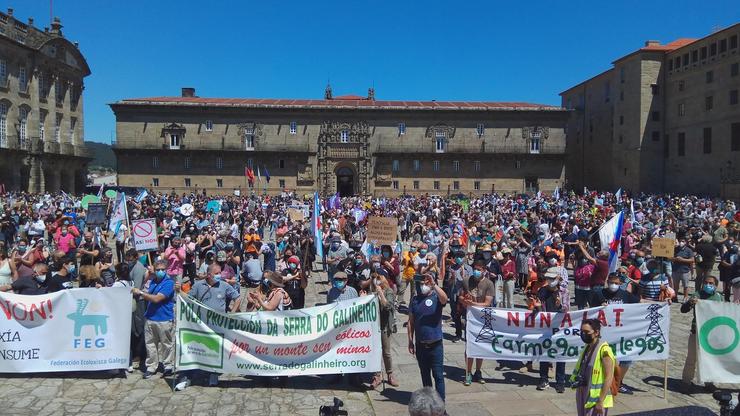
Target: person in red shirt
65 240
508 270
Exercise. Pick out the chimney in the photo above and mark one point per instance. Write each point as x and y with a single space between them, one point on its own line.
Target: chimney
10 11
371 94
652 43
188 92
30 21
56 26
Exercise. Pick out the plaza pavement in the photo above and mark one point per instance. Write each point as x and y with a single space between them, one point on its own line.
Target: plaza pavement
507 392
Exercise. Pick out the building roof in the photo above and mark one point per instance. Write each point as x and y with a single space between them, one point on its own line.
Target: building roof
344 102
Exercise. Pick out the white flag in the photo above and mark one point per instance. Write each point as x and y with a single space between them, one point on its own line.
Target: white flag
118 214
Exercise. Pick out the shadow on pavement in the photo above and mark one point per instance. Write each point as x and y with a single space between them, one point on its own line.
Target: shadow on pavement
90 375
676 411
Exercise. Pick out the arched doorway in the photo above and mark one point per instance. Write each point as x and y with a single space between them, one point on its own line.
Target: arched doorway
345 181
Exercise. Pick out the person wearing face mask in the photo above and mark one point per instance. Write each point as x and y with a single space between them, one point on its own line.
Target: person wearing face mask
295 282
30 285
337 252
683 262
479 291
137 274
89 250
188 266
613 294
216 294
705 259
729 271
23 258
551 301
408 271
425 332
340 290
389 263
654 282
65 241
62 272
453 284
707 293
159 327
386 300
594 372
601 266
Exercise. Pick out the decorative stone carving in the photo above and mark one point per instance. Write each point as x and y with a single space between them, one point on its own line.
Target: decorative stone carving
172 128
331 132
448 130
527 132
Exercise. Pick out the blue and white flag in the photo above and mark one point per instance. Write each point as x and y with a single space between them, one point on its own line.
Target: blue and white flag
610 235
556 193
118 213
632 212
318 228
100 191
618 195
142 194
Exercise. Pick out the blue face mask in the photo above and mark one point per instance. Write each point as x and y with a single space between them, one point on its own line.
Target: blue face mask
459 260
217 277
423 253
71 268
358 261
639 260
339 284
161 274
477 273
709 289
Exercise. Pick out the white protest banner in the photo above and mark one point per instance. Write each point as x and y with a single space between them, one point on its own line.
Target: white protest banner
341 337
71 330
718 337
144 232
637 331
303 208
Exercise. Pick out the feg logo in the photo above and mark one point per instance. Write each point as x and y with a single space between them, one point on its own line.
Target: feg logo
99 324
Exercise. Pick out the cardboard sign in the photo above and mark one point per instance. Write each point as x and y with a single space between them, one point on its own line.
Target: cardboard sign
303 208
663 247
295 214
382 230
96 214
144 233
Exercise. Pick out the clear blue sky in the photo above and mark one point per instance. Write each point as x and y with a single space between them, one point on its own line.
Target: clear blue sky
445 50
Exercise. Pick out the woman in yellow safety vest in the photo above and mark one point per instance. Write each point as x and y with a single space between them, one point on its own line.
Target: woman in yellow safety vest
592 378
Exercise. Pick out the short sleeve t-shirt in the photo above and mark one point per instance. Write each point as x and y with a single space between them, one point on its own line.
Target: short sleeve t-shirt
479 288
650 288
215 297
601 272
427 313
162 311
684 253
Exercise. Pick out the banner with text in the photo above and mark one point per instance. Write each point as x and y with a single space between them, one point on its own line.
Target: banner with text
718 339
341 337
636 331
71 330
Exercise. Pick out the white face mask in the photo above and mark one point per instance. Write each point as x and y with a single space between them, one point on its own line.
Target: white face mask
41 278
425 289
553 262
553 283
613 287
377 282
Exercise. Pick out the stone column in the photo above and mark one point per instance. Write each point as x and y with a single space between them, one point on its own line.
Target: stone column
68 181
36 180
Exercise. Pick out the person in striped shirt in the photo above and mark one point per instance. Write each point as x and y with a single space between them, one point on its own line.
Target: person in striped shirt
653 282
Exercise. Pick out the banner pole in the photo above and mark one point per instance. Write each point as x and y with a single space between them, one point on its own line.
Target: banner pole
665 380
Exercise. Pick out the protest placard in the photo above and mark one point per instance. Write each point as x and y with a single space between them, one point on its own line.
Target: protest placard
718 341
96 214
663 247
382 230
338 338
144 232
295 214
636 332
70 330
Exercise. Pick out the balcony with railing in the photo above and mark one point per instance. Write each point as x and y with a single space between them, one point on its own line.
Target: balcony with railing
194 144
525 147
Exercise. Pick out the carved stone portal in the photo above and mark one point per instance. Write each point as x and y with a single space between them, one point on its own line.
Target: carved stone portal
344 144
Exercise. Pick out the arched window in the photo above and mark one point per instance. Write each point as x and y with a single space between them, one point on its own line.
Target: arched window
345 171
23 126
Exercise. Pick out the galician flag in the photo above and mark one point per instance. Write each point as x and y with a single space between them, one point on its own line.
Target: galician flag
118 214
610 235
318 227
618 195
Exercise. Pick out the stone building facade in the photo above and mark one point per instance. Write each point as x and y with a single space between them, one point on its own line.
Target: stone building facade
41 118
348 144
663 118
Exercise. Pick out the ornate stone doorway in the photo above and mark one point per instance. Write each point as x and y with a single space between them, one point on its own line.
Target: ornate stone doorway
345 181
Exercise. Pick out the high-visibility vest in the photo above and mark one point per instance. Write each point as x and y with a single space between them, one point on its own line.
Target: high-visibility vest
597 377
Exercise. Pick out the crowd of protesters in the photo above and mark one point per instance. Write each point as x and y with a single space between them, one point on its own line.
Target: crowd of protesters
250 253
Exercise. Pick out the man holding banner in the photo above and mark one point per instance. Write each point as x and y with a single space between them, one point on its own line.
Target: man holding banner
708 293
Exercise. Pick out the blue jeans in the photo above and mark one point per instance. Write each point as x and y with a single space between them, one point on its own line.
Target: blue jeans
559 372
431 364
